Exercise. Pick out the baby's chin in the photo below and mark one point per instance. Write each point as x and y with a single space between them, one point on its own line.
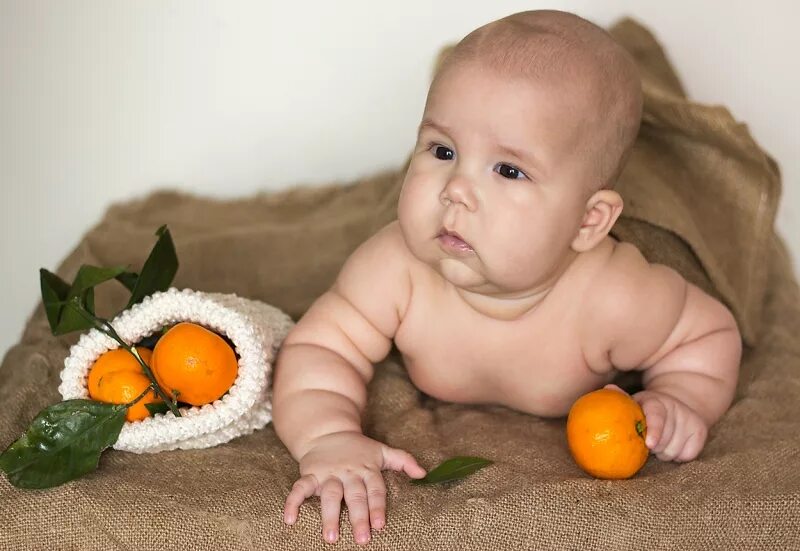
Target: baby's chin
473 276
463 272
461 275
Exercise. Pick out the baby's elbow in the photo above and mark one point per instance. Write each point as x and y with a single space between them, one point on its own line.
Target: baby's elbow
724 354
716 332
733 344
729 343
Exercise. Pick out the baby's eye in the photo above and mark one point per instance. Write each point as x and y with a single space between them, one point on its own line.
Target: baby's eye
510 172
441 152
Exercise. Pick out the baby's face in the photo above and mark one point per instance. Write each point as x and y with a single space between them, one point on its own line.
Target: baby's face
496 163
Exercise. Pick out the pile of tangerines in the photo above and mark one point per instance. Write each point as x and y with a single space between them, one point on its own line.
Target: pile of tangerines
190 363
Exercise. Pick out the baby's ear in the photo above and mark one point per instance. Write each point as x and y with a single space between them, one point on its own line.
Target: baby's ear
602 210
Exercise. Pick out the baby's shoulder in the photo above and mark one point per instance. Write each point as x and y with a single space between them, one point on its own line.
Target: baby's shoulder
631 305
386 248
626 272
378 267
626 282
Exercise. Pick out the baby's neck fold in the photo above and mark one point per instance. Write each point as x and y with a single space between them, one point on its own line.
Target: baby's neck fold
505 306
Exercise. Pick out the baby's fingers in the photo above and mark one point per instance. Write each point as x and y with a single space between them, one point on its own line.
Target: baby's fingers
331 498
376 495
355 495
694 444
655 415
304 488
399 460
674 446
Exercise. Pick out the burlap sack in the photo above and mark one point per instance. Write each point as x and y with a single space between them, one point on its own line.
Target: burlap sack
700 196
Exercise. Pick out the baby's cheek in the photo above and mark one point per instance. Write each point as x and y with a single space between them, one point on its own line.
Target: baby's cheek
411 199
518 261
417 210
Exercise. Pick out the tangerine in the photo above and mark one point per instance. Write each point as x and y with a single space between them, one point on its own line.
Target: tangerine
194 364
606 432
117 378
118 359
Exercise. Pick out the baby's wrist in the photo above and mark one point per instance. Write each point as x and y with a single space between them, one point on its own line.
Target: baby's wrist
321 438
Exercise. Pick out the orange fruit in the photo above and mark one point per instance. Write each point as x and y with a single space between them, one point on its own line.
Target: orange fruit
194 362
117 378
115 360
120 387
605 432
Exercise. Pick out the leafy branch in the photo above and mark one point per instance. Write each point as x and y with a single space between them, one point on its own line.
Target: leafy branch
65 440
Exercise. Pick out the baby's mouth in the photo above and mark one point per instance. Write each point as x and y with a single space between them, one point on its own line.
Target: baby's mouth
453 242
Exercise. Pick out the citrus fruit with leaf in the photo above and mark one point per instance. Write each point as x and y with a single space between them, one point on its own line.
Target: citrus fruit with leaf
65 440
606 430
194 364
117 378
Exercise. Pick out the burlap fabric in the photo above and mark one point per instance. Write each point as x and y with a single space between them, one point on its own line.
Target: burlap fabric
700 196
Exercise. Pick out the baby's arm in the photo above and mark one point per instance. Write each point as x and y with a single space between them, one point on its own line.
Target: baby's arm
319 388
648 317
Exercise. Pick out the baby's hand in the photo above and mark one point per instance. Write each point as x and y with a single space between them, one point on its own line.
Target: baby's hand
348 464
675 432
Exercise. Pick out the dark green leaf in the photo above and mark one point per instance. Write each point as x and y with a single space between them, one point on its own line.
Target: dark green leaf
159 269
89 277
88 300
157 407
162 407
74 317
128 279
63 442
454 468
71 308
54 292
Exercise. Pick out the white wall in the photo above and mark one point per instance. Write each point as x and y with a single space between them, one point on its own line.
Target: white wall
105 100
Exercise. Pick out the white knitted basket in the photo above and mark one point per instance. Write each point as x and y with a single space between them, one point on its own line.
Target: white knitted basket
256 330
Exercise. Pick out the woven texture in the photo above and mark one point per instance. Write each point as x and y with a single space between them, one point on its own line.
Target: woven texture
699 196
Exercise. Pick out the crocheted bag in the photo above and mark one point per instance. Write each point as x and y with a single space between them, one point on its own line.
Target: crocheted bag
256 330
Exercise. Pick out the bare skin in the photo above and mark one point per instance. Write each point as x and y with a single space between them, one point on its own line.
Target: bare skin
529 306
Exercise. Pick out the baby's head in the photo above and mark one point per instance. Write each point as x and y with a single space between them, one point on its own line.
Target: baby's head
528 123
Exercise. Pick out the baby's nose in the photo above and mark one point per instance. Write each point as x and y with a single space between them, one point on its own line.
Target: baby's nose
459 189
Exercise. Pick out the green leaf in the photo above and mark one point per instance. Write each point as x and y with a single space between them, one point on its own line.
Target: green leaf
162 407
454 468
71 308
63 442
74 317
157 407
128 279
54 292
159 269
89 277
88 301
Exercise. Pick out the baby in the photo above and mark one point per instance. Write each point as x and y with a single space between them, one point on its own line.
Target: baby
499 283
